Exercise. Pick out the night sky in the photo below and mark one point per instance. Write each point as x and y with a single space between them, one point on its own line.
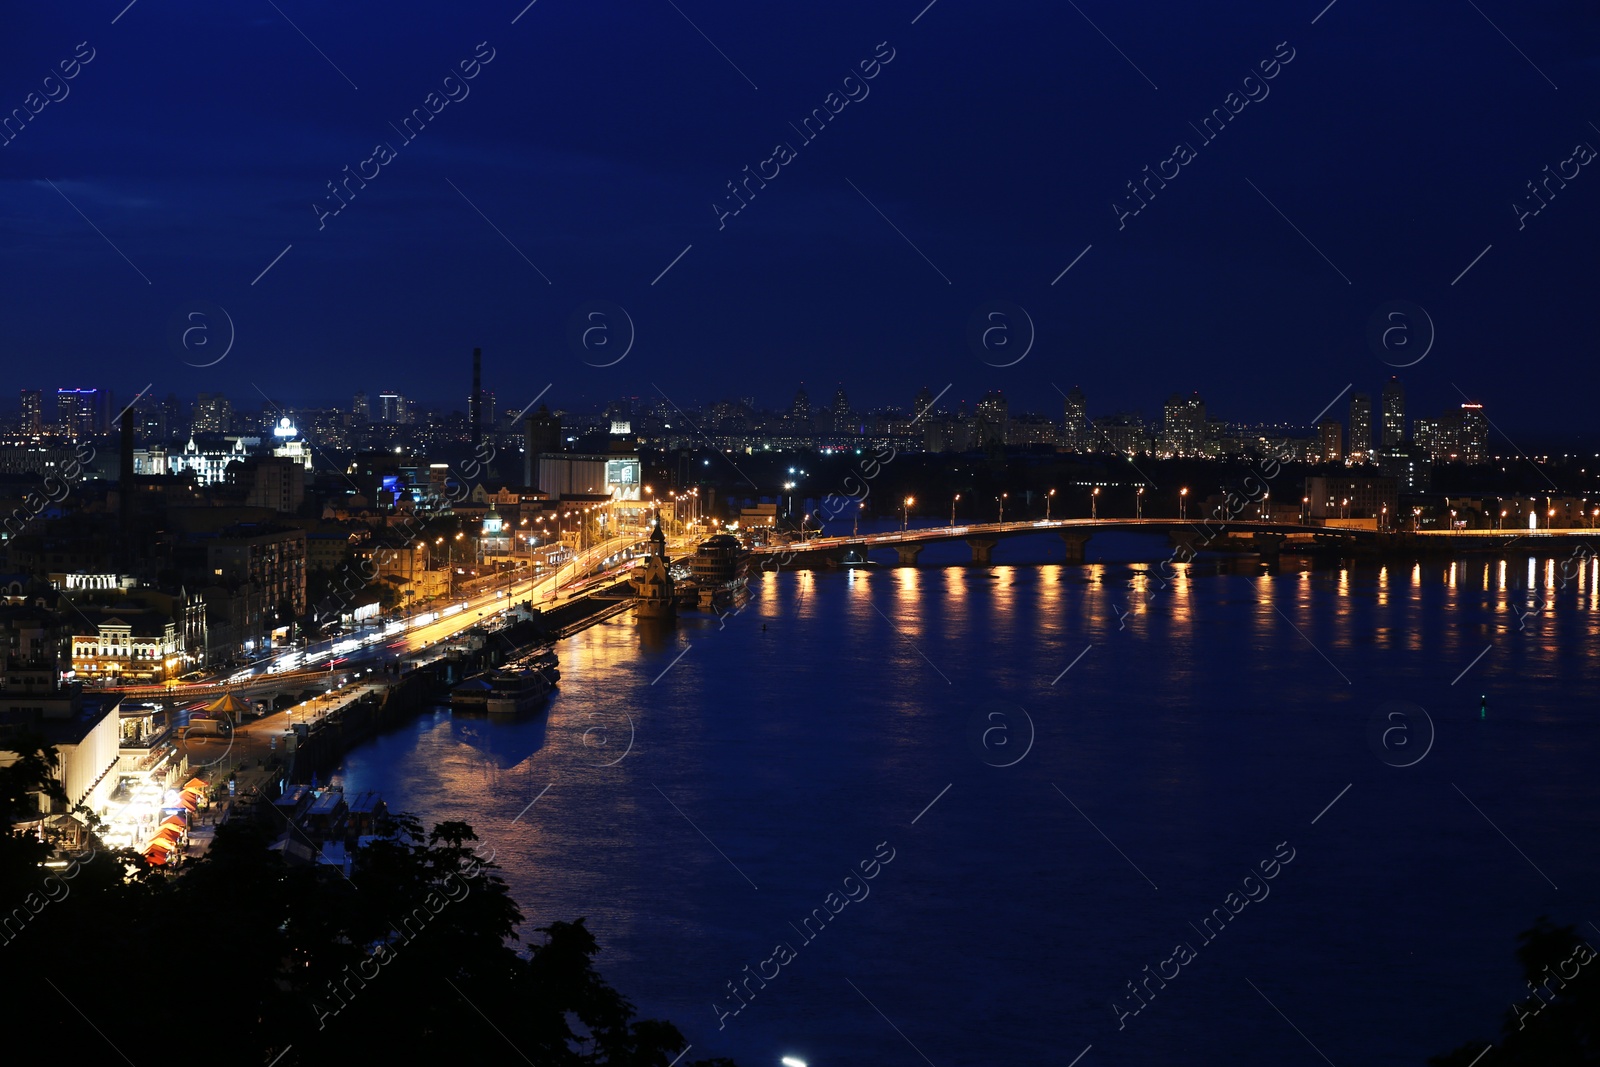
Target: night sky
595 143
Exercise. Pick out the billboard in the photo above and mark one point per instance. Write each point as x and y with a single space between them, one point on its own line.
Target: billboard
622 478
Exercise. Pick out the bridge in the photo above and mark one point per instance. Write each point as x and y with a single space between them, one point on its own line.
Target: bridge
1186 535
258 685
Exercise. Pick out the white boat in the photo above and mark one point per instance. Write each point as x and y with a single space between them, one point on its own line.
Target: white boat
513 692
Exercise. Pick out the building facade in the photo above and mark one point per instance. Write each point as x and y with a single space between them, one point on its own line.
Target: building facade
32 412
270 558
81 412
1183 428
1076 433
1329 440
128 645
1360 448
993 420
1341 497
1394 412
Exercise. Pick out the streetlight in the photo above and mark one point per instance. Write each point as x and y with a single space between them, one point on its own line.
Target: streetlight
1138 503
1383 523
451 585
1002 499
1094 500
1502 525
1183 503
1552 524
1047 497
953 508
1266 505
905 512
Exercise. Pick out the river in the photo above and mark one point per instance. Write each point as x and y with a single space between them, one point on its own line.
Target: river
1055 775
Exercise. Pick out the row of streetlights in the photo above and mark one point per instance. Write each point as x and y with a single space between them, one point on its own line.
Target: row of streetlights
686 504
1094 505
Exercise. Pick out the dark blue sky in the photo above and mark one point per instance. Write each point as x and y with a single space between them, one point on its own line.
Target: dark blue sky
598 138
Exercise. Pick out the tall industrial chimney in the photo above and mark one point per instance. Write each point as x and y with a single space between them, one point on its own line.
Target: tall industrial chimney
477 397
125 477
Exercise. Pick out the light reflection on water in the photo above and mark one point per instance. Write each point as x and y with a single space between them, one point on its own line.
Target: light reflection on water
1217 708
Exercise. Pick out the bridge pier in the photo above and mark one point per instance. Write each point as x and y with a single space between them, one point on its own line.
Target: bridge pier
1268 544
1076 544
982 549
908 554
1183 543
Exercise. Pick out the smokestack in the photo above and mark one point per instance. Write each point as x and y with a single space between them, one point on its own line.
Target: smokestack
530 454
477 397
125 478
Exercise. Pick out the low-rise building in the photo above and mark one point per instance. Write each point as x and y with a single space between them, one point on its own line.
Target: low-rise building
38 700
128 644
1341 497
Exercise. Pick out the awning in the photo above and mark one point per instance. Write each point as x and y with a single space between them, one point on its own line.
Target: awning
228 704
177 822
195 785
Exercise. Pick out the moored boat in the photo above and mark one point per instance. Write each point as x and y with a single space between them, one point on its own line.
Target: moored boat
719 566
471 695
513 692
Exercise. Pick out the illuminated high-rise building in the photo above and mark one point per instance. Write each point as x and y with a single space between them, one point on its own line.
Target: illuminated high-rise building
1429 436
1360 427
1076 433
1329 439
213 413
993 418
1472 440
1184 425
81 412
488 414
32 411
1393 413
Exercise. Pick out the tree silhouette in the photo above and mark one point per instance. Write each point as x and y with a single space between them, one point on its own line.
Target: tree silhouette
1557 1021
413 954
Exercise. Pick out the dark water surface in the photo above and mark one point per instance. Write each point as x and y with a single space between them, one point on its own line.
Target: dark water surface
1206 726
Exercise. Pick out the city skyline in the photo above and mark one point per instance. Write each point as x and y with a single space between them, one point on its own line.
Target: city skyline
378 405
